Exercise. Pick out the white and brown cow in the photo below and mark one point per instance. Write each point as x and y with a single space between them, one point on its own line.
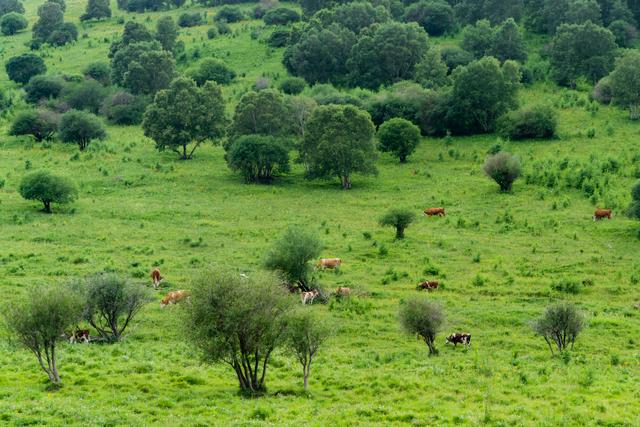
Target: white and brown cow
308 297
459 338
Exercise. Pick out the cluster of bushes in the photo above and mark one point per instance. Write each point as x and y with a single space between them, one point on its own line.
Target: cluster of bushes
51 28
12 18
188 19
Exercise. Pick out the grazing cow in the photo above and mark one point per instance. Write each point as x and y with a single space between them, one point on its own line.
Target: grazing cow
434 211
308 297
156 277
329 263
174 297
430 286
79 335
601 213
459 338
343 292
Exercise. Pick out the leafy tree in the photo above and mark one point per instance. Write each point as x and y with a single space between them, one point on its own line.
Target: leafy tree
503 168
478 39
61 3
581 11
184 114
455 57
634 208
21 68
602 91
400 137
259 158
309 7
96 9
123 108
388 55
354 16
50 19
432 72
190 19
81 128
47 188
43 87
569 58
143 68
281 16
261 113
64 34
11 23
98 71
110 303
87 95
238 321
39 321
167 33
211 69
625 83
402 100
338 142
41 124
229 14
423 318
306 332
9 6
300 109
495 11
561 324
624 33
293 85
435 16
537 122
291 256
280 37
133 32
508 42
398 218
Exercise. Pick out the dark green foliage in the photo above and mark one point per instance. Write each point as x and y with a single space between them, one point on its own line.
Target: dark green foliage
43 87
293 85
338 142
400 137
123 108
97 9
581 11
99 71
602 92
508 42
41 124
21 68
11 6
261 113
625 83
229 14
211 69
634 208
496 11
398 218
87 95
143 68
64 34
184 114
190 19
39 321
223 27
325 94
536 122
354 16
133 32
478 39
435 16
212 33
624 33
306 332
5 102
432 72
47 188
81 128
259 158
167 33
239 321
281 16
50 18
404 100
455 57
504 168
424 318
292 254
111 303
560 324
11 23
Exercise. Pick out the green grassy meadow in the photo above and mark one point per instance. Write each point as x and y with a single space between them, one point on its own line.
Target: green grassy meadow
497 255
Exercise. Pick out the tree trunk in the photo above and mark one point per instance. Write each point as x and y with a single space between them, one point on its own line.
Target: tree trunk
399 233
346 182
633 112
47 206
184 153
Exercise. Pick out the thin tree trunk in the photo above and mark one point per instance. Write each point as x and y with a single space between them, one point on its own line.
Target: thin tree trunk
47 206
346 182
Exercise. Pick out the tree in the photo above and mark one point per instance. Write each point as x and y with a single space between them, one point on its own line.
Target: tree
560 324
42 87
39 322
50 18
432 72
569 58
306 332
99 71
11 23
186 19
400 137
581 11
150 72
47 188
291 256
86 95
229 14
238 321
508 42
624 33
423 318
21 68
478 39
110 303
281 16
455 57
81 128
184 114
354 16
503 168
126 54
65 33
398 218
167 33
293 85
9 6
435 16
625 83
536 122
634 207
133 32
388 55
41 124
96 9
261 113
211 69
338 142
259 158
300 109
122 108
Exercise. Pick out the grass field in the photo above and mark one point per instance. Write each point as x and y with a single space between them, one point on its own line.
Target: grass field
498 256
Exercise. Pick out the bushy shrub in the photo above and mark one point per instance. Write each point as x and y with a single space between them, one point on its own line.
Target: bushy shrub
11 23
211 69
212 33
325 94
560 324
625 33
281 16
262 8
47 188
222 27
537 122
291 256
21 68
634 208
41 124
43 87
424 318
190 19
63 35
454 57
603 92
259 158
398 218
293 85
123 108
99 71
400 137
229 14
87 95
402 100
81 128
504 168
435 16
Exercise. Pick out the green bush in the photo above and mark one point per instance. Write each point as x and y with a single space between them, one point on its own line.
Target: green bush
81 128
293 85
504 168
190 19
424 318
291 256
11 23
47 188
21 68
211 69
41 124
123 108
400 137
560 324
280 37
537 122
281 16
43 87
259 158
229 14
99 71
212 33
87 95
398 218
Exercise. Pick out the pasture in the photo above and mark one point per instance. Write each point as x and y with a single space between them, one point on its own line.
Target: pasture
499 259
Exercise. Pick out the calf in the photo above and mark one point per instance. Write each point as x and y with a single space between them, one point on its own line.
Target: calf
156 277
430 286
308 297
329 263
434 211
459 338
79 335
343 292
174 297
601 213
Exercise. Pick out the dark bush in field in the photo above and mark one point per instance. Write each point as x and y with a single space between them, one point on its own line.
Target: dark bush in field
624 33
503 168
211 69
190 19
21 68
560 325
634 208
40 321
424 318
123 108
11 6
399 137
263 7
41 124
355 16
11 23
212 33
281 16
99 71
602 92
291 256
537 122
455 57
50 19
87 95
398 218
81 128
625 83
261 113
48 188
239 321
43 87
259 158
222 27
64 34
229 14
293 85
435 16
143 67
402 100
167 33
96 9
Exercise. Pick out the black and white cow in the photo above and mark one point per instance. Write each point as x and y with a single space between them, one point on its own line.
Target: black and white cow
459 338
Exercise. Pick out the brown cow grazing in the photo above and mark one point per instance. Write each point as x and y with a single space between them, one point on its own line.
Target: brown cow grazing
329 263
79 335
601 213
434 212
430 286
459 338
174 297
156 277
308 297
343 292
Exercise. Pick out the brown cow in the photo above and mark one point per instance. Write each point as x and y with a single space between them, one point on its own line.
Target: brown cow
343 292
434 211
459 338
308 297
428 285
601 213
156 277
329 263
174 297
79 335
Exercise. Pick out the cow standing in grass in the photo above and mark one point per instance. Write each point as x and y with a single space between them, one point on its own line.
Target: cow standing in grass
601 214
156 278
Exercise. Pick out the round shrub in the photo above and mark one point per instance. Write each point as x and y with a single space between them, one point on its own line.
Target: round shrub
259 158
229 14
123 108
211 69
190 19
625 33
47 188
223 27
67 33
398 218
504 168
11 23
281 16
399 137
99 71
41 124
603 92
87 95
293 85
424 318
454 57
43 87
81 128
537 122
560 325
212 33
279 37
436 17
21 68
